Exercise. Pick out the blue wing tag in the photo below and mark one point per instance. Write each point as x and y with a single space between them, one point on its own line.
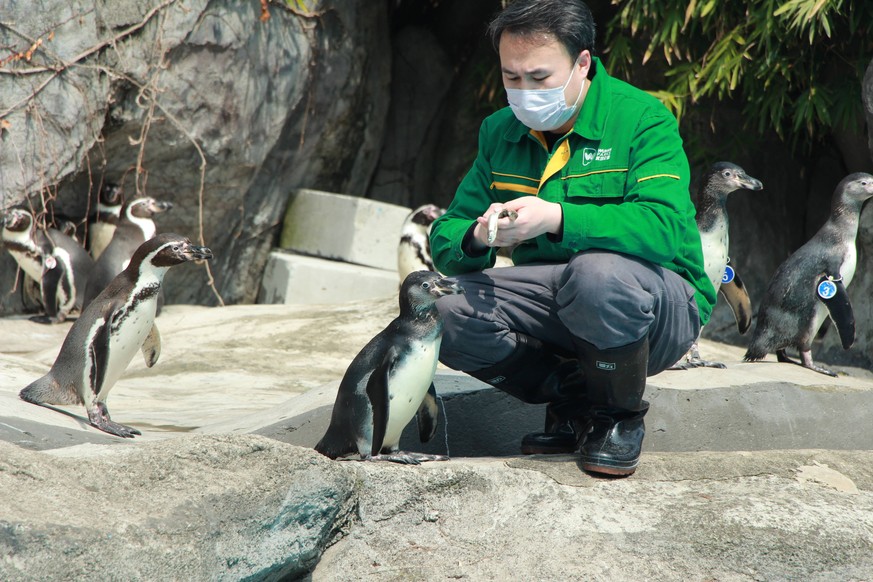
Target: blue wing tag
827 289
728 274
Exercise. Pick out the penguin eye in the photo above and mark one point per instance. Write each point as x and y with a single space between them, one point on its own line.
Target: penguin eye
176 248
425 285
726 174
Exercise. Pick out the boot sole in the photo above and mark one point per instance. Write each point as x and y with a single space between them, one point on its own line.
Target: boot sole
609 469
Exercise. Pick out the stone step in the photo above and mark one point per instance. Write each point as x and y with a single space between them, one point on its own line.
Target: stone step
293 278
343 228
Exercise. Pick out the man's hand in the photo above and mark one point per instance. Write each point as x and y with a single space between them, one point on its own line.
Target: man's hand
535 217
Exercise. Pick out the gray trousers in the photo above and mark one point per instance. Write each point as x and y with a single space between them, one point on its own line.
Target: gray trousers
605 298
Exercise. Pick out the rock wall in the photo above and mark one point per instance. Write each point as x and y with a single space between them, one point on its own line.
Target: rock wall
194 101
867 98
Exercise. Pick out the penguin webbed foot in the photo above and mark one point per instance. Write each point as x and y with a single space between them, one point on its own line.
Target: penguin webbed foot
689 364
693 360
99 417
114 428
404 458
49 320
707 364
806 362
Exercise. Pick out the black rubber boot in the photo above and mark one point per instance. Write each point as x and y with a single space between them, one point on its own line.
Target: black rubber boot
559 435
615 382
533 373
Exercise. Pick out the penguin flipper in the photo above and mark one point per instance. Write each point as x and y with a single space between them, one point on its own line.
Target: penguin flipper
738 299
427 415
377 393
840 310
98 355
151 347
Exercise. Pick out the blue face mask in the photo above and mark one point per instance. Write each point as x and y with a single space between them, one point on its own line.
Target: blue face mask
543 109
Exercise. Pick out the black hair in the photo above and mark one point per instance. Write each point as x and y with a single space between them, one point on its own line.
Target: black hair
570 21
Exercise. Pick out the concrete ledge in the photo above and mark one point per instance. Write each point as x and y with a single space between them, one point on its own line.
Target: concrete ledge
290 278
343 228
479 421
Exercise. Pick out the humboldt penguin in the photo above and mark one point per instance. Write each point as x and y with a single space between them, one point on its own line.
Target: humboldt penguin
391 380
59 265
811 284
413 252
117 323
135 226
722 179
102 222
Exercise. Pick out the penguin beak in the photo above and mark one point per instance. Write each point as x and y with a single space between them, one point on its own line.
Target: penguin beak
444 286
196 253
435 212
11 220
161 206
750 183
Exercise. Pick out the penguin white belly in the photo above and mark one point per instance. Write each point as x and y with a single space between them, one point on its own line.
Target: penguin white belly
408 386
407 263
847 269
31 266
99 237
66 289
126 340
410 254
715 253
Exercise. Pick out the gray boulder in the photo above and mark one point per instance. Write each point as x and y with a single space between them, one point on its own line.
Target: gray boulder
206 508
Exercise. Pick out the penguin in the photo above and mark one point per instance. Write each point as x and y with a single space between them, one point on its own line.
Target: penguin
811 284
117 323
69 228
413 252
102 222
19 237
722 179
391 380
59 265
135 226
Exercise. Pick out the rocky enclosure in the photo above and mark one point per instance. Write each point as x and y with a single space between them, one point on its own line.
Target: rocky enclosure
224 484
225 107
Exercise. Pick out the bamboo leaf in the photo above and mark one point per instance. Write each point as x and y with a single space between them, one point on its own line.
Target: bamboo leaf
688 12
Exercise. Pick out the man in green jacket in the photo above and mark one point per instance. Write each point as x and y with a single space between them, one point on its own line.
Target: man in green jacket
608 284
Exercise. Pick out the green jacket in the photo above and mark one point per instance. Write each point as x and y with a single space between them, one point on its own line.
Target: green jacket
620 176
